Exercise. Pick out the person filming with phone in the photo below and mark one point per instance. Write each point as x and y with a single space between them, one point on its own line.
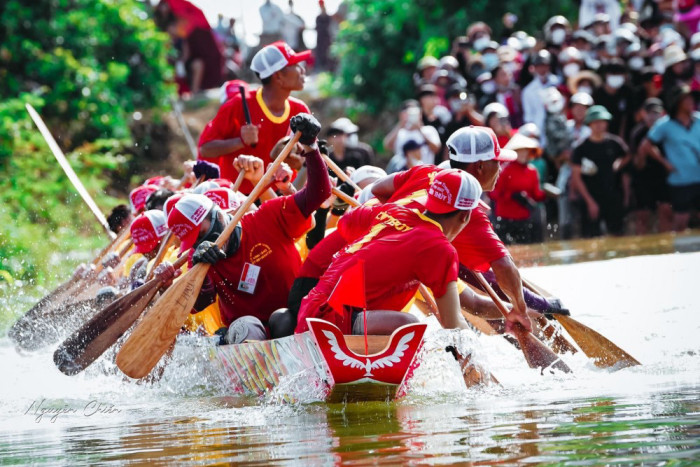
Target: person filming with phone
410 127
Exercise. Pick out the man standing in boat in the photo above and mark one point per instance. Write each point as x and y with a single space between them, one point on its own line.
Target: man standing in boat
403 249
253 273
228 135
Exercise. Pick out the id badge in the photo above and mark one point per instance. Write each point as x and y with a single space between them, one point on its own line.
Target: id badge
249 278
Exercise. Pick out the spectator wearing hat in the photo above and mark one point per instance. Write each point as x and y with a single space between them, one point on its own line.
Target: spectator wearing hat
615 95
533 104
497 118
595 164
517 193
585 81
578 131
650 190
674 141
410 156
677 69
347 150
427 66
410 127
281 71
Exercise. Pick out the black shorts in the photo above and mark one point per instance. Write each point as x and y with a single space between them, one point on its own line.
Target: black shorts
684 198
649 193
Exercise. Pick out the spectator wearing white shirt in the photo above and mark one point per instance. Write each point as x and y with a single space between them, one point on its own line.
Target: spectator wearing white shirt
532 100
272 18
410 127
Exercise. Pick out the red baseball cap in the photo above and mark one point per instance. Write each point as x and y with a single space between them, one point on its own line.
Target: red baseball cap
272 58
139 195
147 230
185 218
154 180
224 198
452 190
170 202
477 143
223 182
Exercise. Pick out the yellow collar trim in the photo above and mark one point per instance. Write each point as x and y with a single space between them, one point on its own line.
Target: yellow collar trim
428 219
270 116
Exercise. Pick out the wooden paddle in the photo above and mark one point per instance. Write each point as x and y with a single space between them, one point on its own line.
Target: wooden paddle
97 335
536 353
340 173
160 326
37 327
239 180
63 162
605 353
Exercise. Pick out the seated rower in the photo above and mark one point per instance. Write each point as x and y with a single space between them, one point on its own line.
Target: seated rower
403 248
253 272
476 151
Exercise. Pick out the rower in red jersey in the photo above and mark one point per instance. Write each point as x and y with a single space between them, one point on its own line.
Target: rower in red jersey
253 272
402 249
271 108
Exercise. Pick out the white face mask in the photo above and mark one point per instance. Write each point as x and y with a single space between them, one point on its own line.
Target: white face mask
695 55
352 140
636 63
481 42
587 89
490 61
615 81
558 36
488 87
571 69
658 64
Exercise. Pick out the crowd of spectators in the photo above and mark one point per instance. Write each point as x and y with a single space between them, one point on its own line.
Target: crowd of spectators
603 117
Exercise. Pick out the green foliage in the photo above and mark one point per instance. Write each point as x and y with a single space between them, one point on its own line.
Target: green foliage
382 41
41 209
86 66
93 62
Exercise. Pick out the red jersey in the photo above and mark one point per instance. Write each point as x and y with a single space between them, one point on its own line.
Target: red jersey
477 244
230 118
320 256
267 243
402 249
514 178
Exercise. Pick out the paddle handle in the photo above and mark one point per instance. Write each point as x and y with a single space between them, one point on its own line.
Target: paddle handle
348 199
259 188
340 173
496 299
161 253
246 110
239 180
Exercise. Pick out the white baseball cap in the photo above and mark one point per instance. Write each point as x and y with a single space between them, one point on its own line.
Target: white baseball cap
473 144
272 58
365 172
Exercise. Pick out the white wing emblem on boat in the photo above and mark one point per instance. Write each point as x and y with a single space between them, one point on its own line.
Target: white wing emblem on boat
368 366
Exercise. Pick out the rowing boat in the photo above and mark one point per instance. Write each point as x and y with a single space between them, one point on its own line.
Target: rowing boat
325 361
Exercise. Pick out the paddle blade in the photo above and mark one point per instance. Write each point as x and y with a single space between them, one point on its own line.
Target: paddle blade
604 353
86 344
537 354
160 326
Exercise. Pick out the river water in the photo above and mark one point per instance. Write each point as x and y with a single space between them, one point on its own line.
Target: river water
647 305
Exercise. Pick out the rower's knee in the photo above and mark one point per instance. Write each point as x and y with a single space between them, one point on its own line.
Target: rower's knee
382 323
282 323
245 328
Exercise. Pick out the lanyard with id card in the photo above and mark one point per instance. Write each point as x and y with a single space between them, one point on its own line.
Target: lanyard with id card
249 278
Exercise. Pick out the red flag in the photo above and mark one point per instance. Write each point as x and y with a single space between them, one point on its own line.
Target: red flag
350 289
